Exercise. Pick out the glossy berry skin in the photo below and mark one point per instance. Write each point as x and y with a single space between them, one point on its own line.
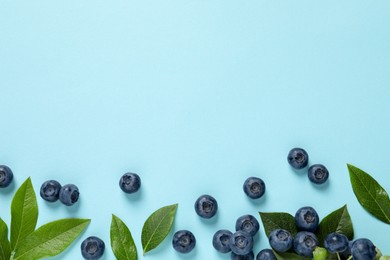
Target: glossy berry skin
241 243
318 174
250 256
50 190
305 243
6 176
363 249
266 254
92 248
336 243
69 194
206 206
254 187
298 158
280 240
221 240
183 241
248 223
306 219
130 182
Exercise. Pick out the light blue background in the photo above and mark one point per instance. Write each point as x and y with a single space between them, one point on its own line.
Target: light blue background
195 96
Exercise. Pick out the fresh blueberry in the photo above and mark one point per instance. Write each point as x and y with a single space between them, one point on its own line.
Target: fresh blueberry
363 249
92 248
280 240
305 243
221 240
206 206
69 194
318 173
248 223
6 176
130 182
336 243
250 256
254 187
306 219
298 158
183 241
347 253
241 243
50 190
266 254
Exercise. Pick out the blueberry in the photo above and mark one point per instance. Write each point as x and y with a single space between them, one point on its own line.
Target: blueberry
280 240
206 206
130 182
6 176
363 249
305 243
221 240
248 223
318 173
298 158
254 187
266 254
306 219
92 248
183 241
50 190
336 243
69 194
241 243
249 256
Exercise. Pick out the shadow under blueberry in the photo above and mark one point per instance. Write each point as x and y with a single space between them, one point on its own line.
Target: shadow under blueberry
259 201
210 221
135 197
8 190
74 208
190 255
323 186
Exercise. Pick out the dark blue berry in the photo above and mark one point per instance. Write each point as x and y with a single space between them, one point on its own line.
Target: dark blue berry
318 173
206 206
183 241
6 176
363 249
305 243
130 182
69 194
50 190
241 243
280 240
248 223
266 254
306 219
254 187
336 243
298 158
92 248
221 240
250 256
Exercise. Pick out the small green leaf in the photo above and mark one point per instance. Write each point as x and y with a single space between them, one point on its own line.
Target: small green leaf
338 221
275 220
24 213
50 239
385 257
290 256
370 194
157 227
5 247
122 242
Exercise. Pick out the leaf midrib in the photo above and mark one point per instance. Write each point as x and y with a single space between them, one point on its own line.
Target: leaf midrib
122 244
155 230
21 221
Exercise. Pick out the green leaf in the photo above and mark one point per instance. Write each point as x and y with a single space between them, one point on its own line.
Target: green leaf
384 257
370 194
24 213
50 239
290 256
338 221
5 247
275 220
157 227
122 242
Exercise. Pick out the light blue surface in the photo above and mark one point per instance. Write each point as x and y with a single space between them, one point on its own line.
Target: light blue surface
194 96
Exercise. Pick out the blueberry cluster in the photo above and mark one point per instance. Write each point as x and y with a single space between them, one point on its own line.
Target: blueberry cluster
52 191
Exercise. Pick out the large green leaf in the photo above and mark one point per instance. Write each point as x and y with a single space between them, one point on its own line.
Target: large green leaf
122 242
275 220
370 194
24 213
50 239
157 227
338 221
5 248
